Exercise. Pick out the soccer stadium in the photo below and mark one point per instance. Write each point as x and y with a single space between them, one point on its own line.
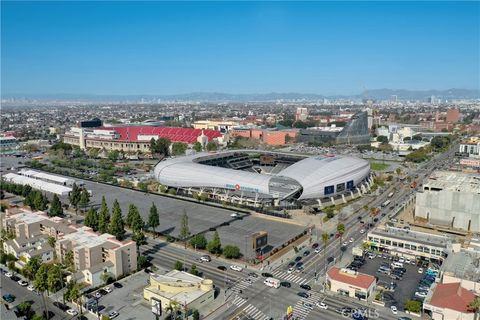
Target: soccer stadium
253 177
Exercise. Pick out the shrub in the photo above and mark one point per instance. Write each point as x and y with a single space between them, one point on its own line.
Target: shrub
231 252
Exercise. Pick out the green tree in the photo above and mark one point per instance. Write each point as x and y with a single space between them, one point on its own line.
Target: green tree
413 305
215 246
163 145
197 146
178 265
41 283
105 277
211 146
84 199
341 228
117 227
55 278
179 148
134 220
474 306
199 241
73 293
103 217
139 239
184 230
91 219
24 308
143 186
75 195
40 202
31 267
153 218
193 270
196 315
68 261
325 238
142 262
51 241
55 207
231 252
113 155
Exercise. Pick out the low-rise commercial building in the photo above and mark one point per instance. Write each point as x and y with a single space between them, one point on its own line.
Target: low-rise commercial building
470 147
179 288
449 301
409 243
350 283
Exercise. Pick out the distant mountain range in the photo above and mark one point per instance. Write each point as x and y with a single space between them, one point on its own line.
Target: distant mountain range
377 94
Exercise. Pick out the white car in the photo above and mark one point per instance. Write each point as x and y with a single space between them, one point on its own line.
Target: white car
322 305
362 231
72 312
318 250
23 283
205 258
401 260
394 309
31 288
420 270
112 314
236 268
8 275
234 215
407 261
98 295
108 289
351 240
345 244
291 269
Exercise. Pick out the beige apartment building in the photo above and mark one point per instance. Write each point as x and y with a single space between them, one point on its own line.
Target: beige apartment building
93 253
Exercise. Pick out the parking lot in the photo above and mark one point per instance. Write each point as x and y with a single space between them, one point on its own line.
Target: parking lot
127 301
405 288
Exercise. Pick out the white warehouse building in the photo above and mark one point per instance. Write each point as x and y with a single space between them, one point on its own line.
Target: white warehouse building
451 199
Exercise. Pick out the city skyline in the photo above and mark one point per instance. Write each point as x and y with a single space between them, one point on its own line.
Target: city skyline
174 48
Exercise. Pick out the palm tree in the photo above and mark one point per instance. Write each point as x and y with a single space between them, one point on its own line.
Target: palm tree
325 237
474 305
172 307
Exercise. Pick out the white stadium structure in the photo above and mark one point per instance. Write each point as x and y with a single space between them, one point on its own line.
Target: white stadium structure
239 176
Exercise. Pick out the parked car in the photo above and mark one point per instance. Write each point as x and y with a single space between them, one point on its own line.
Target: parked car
22 283
98 295
8 275
61 306
9 297
223 268
394 309
108 289
72 312
318 250
306 253
117 285
31 288
298 259
15 278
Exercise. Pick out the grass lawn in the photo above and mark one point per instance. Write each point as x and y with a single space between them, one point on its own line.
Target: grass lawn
376 166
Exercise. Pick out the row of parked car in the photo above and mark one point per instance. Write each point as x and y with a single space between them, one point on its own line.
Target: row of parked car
425 283
357 263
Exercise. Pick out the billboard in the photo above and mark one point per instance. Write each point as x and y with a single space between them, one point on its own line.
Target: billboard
156 307
259 240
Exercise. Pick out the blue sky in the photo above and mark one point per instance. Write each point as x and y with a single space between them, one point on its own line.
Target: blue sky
238 47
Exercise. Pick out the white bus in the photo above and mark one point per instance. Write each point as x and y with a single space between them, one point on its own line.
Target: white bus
272 282
386 203
390 194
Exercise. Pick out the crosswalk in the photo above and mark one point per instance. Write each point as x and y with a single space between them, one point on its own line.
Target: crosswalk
239 301
292 277
254 313
300 311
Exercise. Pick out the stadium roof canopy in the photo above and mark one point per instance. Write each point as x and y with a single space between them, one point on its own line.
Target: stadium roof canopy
317 177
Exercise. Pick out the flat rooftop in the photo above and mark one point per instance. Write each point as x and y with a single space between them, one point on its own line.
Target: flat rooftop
464 265
29 217
413 236
86 237
454 181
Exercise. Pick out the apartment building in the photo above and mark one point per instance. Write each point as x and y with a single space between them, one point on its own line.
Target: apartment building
93 253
